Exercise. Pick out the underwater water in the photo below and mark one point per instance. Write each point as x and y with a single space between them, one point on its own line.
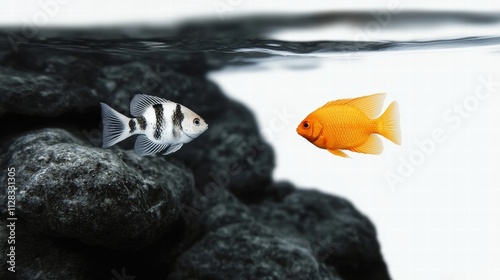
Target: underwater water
434 200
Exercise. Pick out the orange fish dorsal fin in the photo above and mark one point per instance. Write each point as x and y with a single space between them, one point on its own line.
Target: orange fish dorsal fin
371 105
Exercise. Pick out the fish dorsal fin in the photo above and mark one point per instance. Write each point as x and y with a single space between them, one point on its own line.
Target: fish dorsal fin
371 105
141 102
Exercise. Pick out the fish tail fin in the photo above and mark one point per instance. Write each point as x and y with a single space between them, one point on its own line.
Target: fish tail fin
114 126
388 123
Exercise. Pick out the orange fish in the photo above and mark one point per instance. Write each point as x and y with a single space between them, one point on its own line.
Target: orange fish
351 124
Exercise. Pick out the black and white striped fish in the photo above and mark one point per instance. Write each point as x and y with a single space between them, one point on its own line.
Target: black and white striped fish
162 125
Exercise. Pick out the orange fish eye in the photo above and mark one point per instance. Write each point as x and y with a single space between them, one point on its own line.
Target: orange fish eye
306 125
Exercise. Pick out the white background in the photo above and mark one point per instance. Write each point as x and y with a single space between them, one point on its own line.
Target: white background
96 12
442 221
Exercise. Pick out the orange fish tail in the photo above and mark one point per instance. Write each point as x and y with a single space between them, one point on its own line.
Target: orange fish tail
388 124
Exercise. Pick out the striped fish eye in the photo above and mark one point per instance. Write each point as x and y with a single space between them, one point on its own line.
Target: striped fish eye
306 124
196 122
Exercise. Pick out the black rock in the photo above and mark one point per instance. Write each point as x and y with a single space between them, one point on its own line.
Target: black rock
339 234
107 197
46 93
330 234
38 257
249 251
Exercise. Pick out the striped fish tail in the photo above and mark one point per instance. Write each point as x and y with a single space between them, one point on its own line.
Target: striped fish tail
116 127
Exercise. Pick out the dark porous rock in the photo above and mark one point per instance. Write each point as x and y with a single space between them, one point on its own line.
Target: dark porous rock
281 233
249 251
43 94
216 209
108 197
38 257
339 234
76 70
224 210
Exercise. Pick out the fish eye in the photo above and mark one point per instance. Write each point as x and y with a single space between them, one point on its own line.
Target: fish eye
196 122
306 125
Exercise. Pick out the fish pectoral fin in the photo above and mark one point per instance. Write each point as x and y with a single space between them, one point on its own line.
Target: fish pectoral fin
338 153
372 145
371 105
141 102
173 148
143 146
